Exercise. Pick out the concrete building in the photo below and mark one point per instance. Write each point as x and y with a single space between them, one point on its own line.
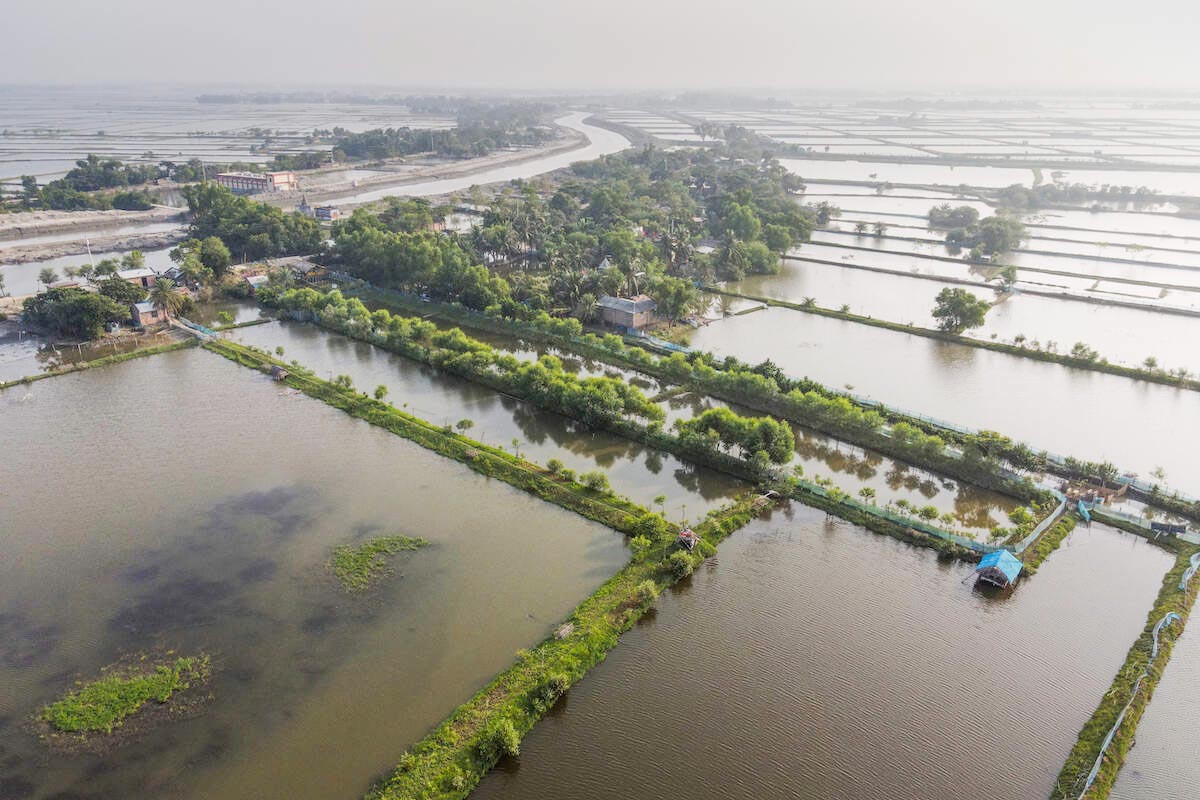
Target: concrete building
327 213
634 313
258 182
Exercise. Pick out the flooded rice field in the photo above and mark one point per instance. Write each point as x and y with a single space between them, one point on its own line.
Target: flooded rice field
811 659
1122 335
193 506
49 128
1136 425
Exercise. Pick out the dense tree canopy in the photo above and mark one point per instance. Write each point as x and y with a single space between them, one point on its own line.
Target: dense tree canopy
957 310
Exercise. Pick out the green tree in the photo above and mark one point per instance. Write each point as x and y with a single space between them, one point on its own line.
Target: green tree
381 392
957 310
215 256
166 297
122 292
675 297
778 238
680 564
47 276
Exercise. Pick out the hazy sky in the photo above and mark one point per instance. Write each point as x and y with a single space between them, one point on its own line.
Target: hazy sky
631 44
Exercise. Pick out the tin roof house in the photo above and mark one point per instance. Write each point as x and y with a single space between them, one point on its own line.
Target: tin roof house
633 313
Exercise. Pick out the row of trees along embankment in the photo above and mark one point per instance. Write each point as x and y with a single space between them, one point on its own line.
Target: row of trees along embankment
983 458
750 448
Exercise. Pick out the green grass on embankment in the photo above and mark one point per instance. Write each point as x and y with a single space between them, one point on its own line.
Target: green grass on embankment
455 756
1087 748
100 362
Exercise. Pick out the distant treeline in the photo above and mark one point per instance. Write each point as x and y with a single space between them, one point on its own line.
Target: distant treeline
481 128
1019 196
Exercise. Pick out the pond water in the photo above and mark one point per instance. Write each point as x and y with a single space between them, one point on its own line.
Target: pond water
1163 764
1170 183
810 659
933 257
1124 335
635 471
182 502
1136 425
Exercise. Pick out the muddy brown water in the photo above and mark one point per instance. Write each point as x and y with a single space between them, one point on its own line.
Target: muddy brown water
1162 764
811 659
1138 426
182 502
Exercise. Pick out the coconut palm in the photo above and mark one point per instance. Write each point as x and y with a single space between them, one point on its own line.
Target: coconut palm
166 297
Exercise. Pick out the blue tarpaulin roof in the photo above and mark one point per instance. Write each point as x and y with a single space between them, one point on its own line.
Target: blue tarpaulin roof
1002 560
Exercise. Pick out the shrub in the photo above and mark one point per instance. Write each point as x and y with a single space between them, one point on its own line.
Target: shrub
640 546
595 480
554 465
680 564
498 740
646 592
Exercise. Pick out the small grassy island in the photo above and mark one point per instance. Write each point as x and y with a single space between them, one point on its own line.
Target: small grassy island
357 566
102 705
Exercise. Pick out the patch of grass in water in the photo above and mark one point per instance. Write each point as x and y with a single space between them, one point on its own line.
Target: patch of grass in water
103 704
357 566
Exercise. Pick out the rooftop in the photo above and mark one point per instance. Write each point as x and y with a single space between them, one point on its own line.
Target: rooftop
140 272
630 305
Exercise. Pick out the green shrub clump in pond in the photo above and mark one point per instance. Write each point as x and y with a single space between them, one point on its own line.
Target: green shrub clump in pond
358 565
106 702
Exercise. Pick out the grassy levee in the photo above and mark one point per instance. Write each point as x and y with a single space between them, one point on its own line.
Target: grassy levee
775 405
100 362
607 509
1087 749
1065 359
1041 548
449 762
687 449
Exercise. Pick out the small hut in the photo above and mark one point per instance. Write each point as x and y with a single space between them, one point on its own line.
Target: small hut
687 539
278 372
999 568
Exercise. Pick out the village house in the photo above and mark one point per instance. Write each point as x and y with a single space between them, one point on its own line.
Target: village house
144 314
632 313
255 281
142 276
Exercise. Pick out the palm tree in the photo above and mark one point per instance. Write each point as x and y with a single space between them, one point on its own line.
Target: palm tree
166 297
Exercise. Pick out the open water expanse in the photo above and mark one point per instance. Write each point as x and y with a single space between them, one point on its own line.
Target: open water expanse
181 502
812 659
